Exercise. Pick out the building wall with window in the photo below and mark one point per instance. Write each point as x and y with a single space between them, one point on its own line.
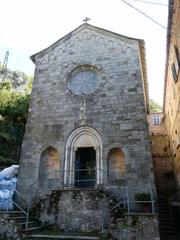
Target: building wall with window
158 134
160 150
172 85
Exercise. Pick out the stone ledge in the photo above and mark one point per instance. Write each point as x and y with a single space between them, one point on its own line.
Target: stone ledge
142 214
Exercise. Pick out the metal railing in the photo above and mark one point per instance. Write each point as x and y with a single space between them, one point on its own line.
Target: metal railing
76 175
80 179
87 178
130 203
77 178
16 199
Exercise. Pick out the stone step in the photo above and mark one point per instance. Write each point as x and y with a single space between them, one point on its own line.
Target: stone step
24 223
41 236
170 238
164 215
31 229
17 217
163 208
11 212
168 231
166 222
120 219
166 228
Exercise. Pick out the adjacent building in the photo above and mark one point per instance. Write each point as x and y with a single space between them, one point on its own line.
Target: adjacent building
172 86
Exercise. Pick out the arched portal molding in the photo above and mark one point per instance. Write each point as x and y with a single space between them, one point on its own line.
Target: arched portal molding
82 137
90 136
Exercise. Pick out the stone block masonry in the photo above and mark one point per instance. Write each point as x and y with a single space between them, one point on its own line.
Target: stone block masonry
109 114
86 127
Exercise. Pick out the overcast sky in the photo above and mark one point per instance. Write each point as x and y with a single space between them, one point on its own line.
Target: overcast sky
29 26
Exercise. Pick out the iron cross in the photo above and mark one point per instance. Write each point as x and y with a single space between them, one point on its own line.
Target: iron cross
86 19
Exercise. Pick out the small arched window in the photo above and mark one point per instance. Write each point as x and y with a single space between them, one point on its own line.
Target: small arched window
116 164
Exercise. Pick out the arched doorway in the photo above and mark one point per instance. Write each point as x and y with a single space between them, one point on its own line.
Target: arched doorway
116 164
83 160
85 167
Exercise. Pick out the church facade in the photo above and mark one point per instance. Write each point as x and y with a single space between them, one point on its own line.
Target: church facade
87 125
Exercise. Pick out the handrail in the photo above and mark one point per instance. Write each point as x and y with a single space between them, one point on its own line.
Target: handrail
73 180
16 191
62 171
24 207
126 202
39 180
20 208
25 211
106 198
110 210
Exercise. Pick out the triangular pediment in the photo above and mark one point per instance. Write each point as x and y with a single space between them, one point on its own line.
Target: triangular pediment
80 37
84 29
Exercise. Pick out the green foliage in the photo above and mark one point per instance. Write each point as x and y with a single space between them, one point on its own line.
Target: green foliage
13 114
6 85
154 106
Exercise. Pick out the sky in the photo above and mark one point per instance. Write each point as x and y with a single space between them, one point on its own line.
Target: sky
29 26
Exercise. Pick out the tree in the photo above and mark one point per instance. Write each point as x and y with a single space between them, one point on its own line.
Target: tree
154 106
13 114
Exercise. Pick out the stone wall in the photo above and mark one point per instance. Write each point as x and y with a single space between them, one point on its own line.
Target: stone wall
140 227
163 172
81 211
116 110
158 135
161 153
8 229
73 210
172 89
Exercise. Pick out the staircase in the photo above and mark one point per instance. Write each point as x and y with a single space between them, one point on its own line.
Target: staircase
166 223
69 236
32 229
113 213
20 220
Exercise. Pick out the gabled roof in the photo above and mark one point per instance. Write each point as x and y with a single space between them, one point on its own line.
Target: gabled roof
107 33
75 31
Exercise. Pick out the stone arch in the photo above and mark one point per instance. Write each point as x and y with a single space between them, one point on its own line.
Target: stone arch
82 137
116 164
76 40
68 46
85 35
49 163
101 41
128 50
119 46
43 61
52 57
110 44
60 52
93 38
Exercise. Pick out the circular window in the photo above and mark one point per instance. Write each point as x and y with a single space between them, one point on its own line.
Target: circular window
84 82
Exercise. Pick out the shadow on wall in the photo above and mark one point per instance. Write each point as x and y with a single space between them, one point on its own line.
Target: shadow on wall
116 164
49 163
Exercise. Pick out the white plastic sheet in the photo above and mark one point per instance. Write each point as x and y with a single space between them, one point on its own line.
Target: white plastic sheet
7 187
9 172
